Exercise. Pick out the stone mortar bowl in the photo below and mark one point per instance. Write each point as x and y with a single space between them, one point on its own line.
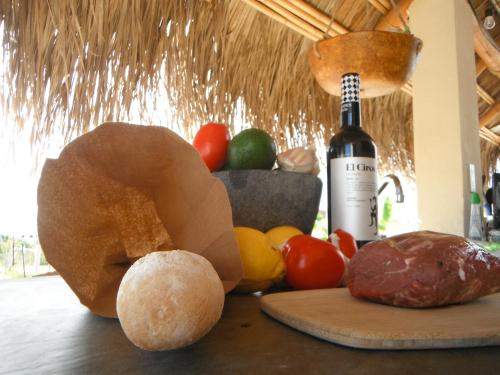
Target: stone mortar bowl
264 199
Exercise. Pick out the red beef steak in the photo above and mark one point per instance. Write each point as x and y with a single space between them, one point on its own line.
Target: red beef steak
423 269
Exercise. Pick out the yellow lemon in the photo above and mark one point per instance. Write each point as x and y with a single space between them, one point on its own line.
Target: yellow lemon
262 265
279 235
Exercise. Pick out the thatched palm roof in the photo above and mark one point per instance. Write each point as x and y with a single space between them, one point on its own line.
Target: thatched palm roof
72 65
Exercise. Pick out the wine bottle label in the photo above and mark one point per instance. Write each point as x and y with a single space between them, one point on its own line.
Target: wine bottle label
353 195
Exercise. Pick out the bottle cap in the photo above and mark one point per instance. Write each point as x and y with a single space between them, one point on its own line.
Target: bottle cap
350 88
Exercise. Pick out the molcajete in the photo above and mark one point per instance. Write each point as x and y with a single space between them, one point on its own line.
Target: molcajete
265 199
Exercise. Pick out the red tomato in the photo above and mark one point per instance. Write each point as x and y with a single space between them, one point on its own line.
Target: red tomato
312 263
211 142
344 241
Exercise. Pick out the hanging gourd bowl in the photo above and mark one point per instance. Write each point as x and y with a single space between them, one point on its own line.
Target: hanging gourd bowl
384 60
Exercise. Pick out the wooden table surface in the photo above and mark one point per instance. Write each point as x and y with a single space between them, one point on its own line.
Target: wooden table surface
45 330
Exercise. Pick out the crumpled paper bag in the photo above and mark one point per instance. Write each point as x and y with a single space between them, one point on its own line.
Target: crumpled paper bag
122 191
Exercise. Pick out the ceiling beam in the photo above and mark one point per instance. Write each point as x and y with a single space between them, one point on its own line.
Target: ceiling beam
317 16
480 66
379 6
484 46
489 136
392 19
290 14
484 95
310 22
488 118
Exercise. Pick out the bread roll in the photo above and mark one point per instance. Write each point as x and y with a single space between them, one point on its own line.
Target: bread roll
169 299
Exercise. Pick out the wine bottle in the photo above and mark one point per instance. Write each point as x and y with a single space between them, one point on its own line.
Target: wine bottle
352 170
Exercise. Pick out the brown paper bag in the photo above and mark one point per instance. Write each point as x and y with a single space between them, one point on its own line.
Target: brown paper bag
122 191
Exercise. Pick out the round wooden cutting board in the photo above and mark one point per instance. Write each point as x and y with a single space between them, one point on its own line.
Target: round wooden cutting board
334 315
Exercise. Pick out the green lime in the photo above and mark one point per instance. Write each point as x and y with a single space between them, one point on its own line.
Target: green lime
251 149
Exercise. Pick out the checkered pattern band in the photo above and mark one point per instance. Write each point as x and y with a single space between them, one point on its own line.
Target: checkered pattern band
350 88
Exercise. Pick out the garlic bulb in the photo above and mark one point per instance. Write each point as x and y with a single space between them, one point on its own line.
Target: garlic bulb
300 159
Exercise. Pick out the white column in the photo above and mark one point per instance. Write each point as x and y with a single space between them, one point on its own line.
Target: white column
445 115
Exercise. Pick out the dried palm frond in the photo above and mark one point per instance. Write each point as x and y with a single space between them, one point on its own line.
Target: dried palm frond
69 66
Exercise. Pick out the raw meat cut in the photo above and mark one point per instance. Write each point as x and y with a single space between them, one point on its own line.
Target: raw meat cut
423 269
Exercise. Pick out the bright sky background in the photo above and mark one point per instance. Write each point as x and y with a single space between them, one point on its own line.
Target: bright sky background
17 187
19 178
19 175
18 181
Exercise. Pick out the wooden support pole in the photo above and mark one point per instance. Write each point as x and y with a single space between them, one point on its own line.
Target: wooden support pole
307 16
319 16
275 16
311 30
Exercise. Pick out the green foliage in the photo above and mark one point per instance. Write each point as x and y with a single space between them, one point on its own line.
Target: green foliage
386 214
14 273
320 229
491 246
43 260
403 30
23 261
6 243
